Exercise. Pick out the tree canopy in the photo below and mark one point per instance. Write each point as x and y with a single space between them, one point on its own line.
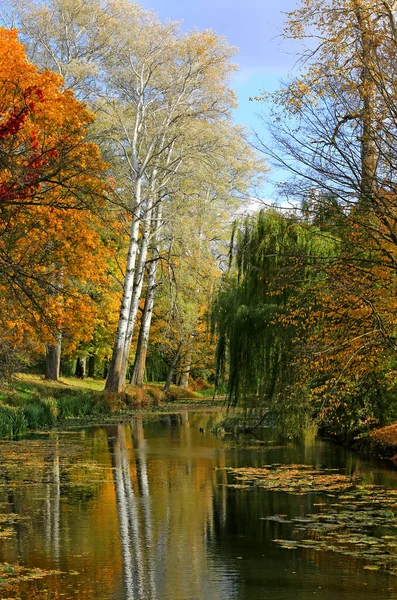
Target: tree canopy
52 251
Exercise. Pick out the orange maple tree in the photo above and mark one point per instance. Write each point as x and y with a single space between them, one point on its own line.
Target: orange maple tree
53 245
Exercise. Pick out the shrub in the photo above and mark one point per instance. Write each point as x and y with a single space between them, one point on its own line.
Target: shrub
50 407
199 384
156 395
36 415
19 424
140 397
177 393
113 403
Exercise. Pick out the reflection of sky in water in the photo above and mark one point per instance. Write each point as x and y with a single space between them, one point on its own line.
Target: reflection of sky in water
140 511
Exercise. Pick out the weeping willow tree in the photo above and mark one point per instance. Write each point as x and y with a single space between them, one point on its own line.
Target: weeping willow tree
257 315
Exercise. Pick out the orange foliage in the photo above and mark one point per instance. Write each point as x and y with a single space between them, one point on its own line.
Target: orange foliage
349 320
52 253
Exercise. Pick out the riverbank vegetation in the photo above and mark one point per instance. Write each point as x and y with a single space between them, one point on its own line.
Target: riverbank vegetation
313 294
30 402
123 177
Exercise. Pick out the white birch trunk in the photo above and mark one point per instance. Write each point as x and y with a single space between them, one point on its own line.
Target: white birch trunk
115 380
138 285
144 332
124 526
141 463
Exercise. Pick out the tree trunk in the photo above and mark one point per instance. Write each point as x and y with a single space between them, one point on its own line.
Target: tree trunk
116 379
53 360
138 284
170 375
369 152
144 331
184 381
171 369
91 365
140 358
80 367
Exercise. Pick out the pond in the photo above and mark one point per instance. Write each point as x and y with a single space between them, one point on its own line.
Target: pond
154 508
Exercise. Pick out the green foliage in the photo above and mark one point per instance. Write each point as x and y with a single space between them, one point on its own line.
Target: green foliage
42 412
50 408
78 406
31 403
205 392
234 423
294 413
369 403
68 368
35 415
271 256
12 422
156 367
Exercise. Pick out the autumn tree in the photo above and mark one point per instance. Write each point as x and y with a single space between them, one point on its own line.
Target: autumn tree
334 128
190 243
52 251
163 106
63 36
334 125
171 81
180 332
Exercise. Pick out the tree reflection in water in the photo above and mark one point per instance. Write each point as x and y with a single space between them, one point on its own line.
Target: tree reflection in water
165 509
127 506
52 507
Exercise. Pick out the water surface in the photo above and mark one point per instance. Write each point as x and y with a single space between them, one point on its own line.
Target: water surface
141 510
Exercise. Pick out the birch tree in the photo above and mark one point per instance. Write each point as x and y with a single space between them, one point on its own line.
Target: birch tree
191 247
164 80
68 37
149 85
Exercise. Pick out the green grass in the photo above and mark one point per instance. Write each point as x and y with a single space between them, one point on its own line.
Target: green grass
30 402
29 382
97 385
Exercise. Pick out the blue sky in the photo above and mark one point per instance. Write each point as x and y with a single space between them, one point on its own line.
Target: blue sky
254 26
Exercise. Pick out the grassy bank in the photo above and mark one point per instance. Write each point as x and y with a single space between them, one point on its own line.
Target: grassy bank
29 402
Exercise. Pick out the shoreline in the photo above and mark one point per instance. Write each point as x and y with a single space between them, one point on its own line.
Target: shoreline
30 404
379 443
